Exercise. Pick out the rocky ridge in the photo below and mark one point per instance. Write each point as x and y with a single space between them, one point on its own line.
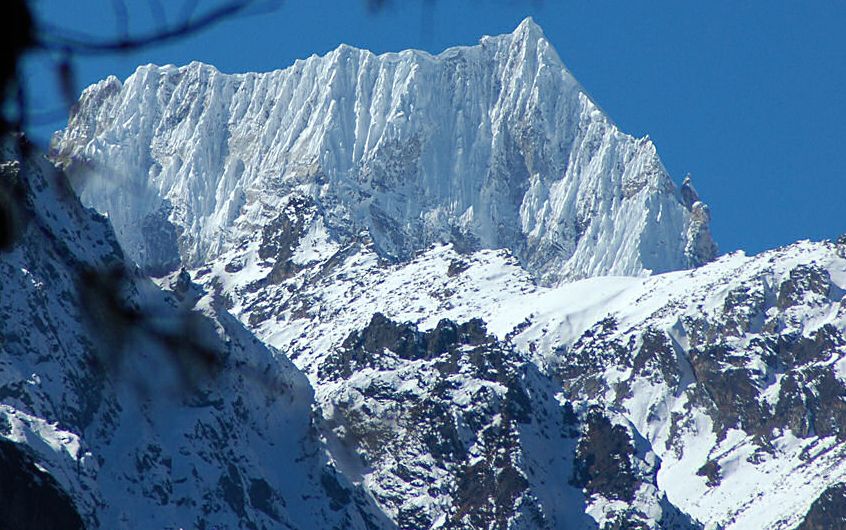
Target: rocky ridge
729 375
478 322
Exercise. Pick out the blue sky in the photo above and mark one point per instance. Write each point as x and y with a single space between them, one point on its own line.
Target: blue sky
749 97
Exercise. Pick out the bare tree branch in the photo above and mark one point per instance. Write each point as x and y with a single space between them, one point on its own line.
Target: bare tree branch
57 39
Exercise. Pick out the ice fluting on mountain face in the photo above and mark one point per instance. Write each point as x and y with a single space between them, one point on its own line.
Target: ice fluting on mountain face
490 146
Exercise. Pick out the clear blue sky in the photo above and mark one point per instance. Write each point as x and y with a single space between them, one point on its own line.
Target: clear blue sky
749 97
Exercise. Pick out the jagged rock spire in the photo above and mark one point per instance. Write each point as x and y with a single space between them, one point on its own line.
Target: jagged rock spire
688 192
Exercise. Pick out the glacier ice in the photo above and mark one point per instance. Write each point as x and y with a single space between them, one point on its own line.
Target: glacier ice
487 146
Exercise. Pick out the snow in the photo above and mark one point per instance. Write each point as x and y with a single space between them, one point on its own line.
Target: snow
33 431
840 369
416 149
544 322
482 182
316 245
127 445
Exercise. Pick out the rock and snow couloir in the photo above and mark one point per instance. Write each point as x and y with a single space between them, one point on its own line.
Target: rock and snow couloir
488 146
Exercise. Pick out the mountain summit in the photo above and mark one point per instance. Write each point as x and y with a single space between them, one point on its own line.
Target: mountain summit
490 146
362 244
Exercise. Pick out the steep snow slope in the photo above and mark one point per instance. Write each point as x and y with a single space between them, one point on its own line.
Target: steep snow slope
730 375
132 425
489 146
154 408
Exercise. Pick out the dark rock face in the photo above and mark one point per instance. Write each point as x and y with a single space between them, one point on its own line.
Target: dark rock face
711 470
489 490
808 399
442 412
688 193
603 460
280 236
656 358
754 322
457 267
451 412
804 280
841 246
161 243
612 466
700 248
727 387
828 512
366 348
30 499
581 369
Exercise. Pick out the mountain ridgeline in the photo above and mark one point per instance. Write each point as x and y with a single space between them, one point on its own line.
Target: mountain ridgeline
489 146
401 291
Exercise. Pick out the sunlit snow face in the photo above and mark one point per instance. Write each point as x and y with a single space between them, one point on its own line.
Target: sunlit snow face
491 146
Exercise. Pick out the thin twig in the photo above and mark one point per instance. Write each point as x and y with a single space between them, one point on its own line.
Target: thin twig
90 46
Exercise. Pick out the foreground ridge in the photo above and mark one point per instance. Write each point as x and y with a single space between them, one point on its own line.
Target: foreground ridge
100 426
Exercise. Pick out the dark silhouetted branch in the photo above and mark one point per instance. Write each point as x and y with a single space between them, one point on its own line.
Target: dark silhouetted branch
57 39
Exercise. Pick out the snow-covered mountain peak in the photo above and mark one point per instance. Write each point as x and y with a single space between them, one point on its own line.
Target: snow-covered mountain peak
385 225
528 27
487 146
527 35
